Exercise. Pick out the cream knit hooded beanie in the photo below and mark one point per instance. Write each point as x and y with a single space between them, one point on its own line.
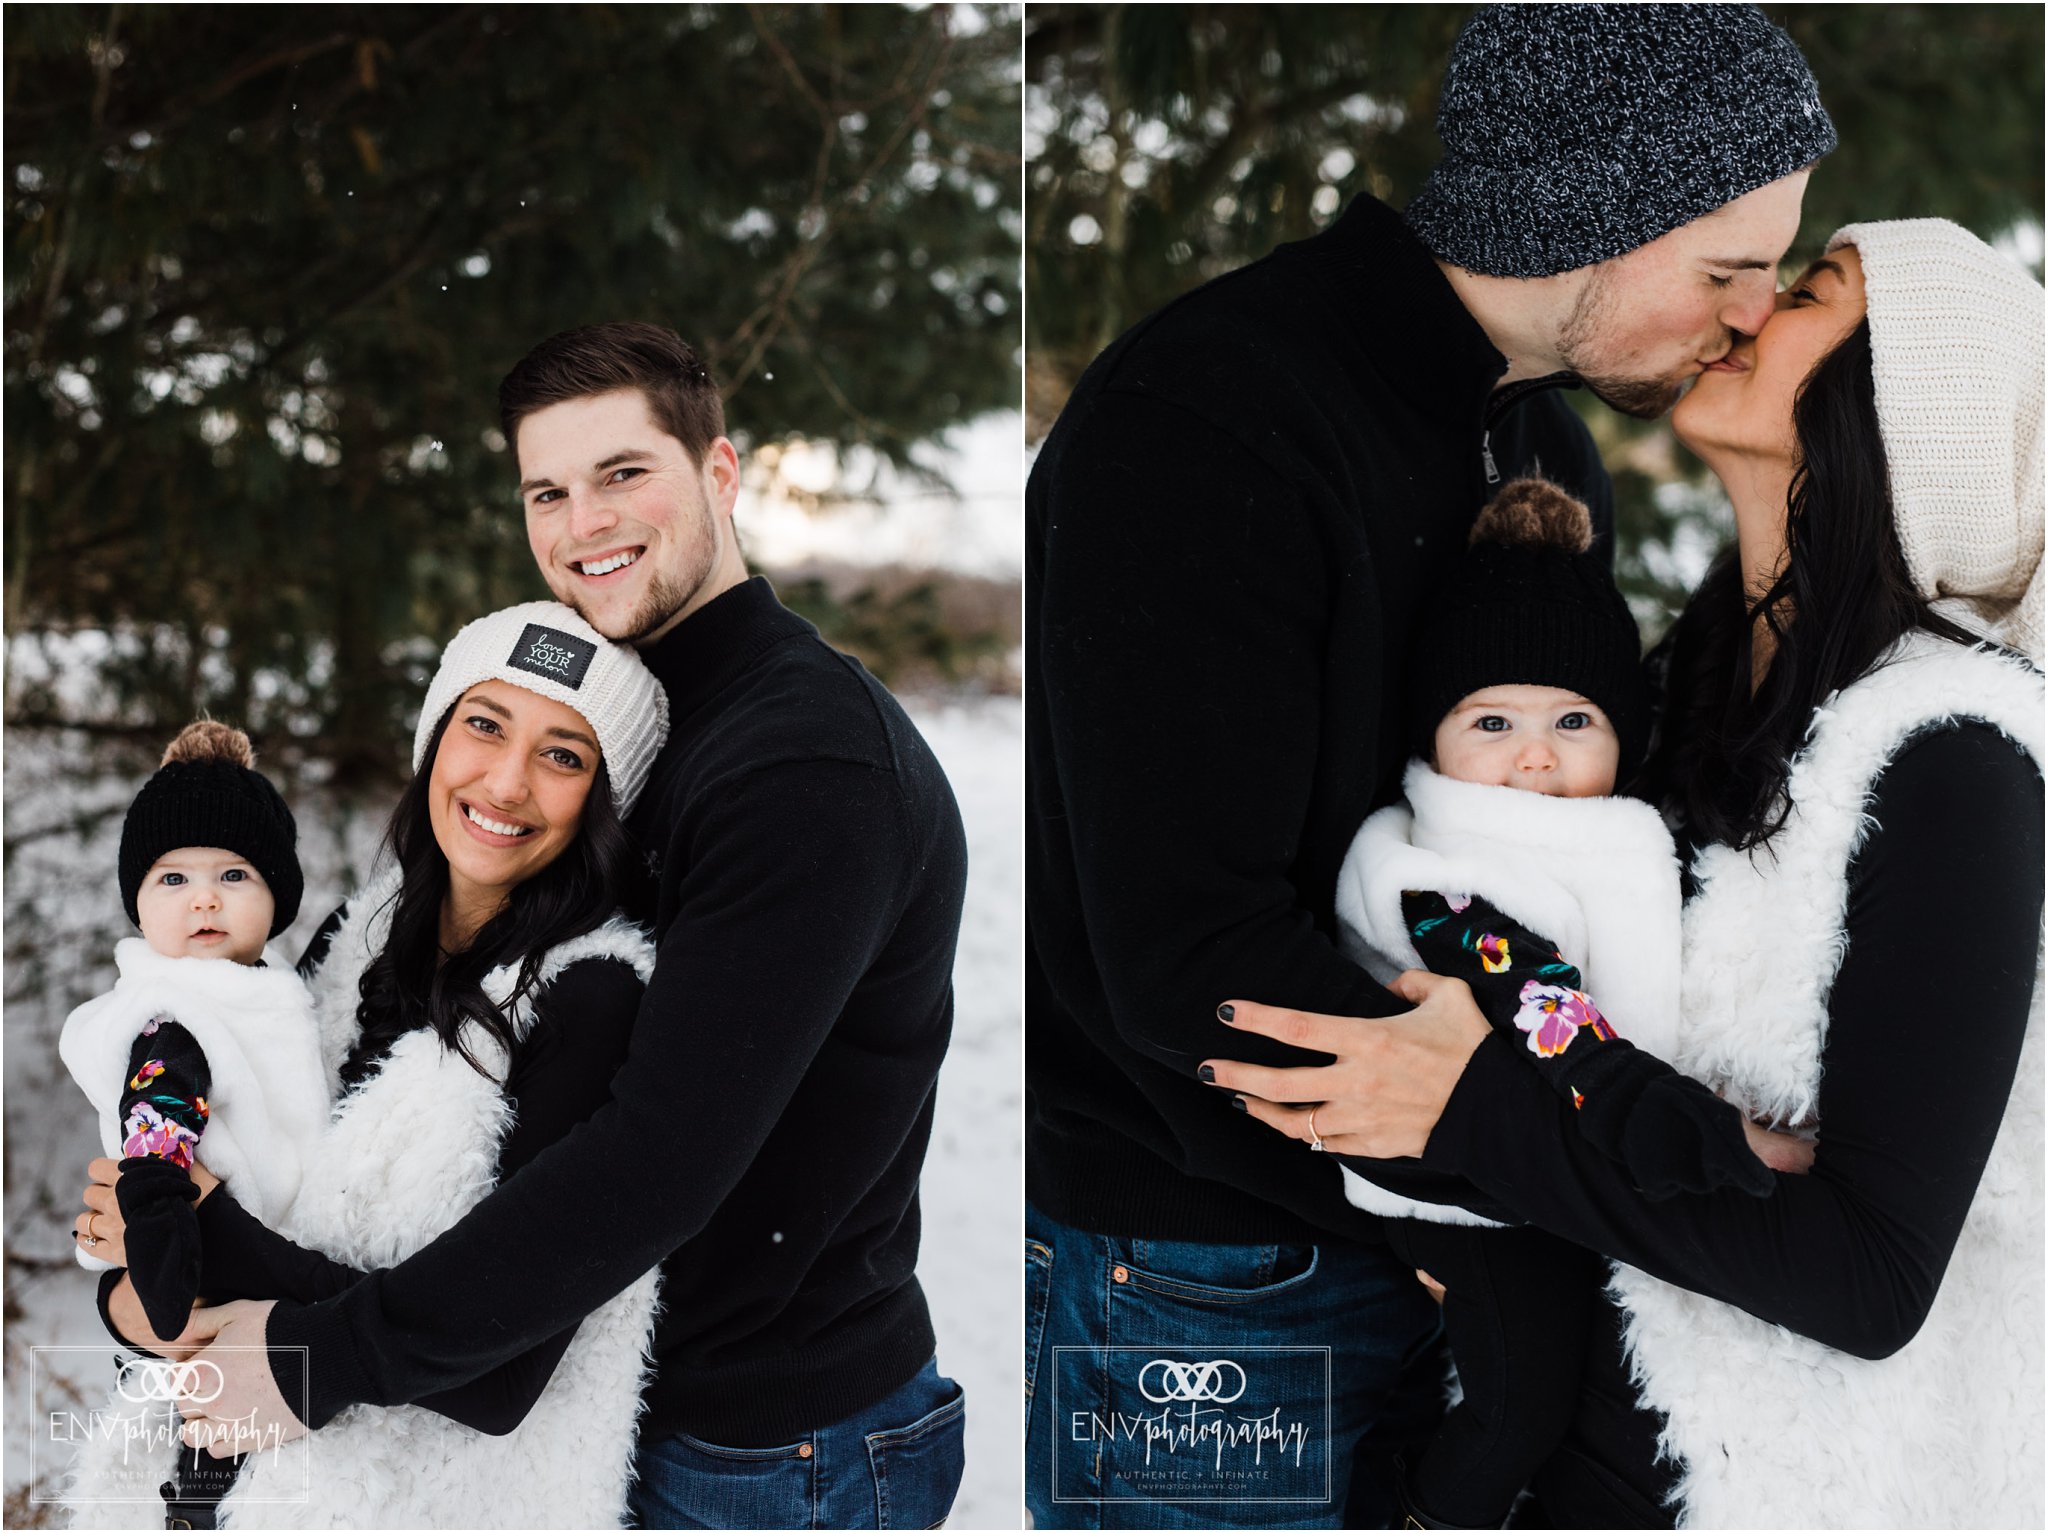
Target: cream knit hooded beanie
1956 343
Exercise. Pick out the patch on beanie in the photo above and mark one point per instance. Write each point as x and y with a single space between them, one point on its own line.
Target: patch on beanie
551 653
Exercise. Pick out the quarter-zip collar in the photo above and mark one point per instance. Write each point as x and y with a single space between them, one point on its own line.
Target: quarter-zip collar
1431 348
1427 346
696 659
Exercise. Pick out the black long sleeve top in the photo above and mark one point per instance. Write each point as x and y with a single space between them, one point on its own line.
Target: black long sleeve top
1230 532
1926 1020
559 1074
764 1138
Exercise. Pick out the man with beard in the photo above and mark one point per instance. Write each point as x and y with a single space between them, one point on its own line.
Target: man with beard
1232 528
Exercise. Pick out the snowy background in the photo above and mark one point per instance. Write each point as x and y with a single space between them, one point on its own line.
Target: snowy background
66 790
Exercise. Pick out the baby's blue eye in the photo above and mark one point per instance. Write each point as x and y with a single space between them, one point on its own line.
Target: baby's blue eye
1575 721
174 878
1492 723
233 876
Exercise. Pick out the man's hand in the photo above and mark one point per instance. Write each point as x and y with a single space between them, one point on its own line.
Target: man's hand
247 1414
1391 1078
1779 1151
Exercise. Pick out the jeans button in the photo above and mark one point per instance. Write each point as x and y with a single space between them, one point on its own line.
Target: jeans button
804 1451
1121 1274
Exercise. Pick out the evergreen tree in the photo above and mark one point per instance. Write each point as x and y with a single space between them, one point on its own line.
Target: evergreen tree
268 264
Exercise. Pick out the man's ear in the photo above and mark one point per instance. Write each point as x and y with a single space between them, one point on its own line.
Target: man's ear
722 475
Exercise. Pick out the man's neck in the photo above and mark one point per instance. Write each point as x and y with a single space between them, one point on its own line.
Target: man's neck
1518 316
729 572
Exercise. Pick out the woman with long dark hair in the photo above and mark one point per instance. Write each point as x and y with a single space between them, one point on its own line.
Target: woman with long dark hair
474 1001
1851 748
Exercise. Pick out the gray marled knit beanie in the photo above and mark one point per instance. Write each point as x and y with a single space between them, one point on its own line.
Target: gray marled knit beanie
1575 133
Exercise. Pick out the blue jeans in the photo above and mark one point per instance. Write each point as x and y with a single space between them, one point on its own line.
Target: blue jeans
896 1464
1174 1384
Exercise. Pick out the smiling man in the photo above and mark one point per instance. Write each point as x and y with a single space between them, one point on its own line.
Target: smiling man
1232 531
640 537
765 1136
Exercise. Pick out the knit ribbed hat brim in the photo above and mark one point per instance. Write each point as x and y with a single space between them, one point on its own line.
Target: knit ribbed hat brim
1956 340
549 649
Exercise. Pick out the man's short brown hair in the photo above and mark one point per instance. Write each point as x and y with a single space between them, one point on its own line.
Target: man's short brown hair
597 359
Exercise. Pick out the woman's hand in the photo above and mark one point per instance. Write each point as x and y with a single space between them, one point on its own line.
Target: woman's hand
102 1221
1436 1289
1392 1075
102 1217
1779 1151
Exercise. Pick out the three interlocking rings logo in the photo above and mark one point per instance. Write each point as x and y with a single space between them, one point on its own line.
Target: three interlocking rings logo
1187 1383
198 1383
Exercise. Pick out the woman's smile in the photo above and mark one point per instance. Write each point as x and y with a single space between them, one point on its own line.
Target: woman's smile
492 829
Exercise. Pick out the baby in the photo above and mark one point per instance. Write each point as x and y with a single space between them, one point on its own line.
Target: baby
1528 707
199 1040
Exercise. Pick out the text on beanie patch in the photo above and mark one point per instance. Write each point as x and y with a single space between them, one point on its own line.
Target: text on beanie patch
551 653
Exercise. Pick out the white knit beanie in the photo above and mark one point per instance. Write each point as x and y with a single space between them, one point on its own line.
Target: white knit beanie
548 649
1956 343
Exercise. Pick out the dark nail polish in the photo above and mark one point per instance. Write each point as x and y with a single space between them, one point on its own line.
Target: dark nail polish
1225 1012
1238 1103
1208 1073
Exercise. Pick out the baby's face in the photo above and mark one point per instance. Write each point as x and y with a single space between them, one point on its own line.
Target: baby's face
203 902
1539 738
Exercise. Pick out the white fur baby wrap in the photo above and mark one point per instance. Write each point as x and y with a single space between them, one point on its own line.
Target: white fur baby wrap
1597 876
269 1094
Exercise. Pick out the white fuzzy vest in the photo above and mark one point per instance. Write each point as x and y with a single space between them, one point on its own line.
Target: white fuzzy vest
1597 876
405 1157
1771 1429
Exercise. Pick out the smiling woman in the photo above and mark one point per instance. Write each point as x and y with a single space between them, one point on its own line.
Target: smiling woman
512 772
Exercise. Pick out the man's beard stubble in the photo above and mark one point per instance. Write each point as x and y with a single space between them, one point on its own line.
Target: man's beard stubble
1579 337
664 599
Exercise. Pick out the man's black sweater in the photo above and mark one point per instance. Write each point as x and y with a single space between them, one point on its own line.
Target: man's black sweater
1232 530
766 1132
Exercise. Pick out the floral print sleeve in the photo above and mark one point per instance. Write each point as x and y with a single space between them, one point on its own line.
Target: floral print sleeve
1522 983
164 1112
163 1105
1672 1133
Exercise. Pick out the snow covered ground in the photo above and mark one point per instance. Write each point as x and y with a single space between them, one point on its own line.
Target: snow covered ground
65 793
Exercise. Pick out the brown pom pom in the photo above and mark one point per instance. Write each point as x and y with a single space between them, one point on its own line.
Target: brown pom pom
1535 511
205 740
